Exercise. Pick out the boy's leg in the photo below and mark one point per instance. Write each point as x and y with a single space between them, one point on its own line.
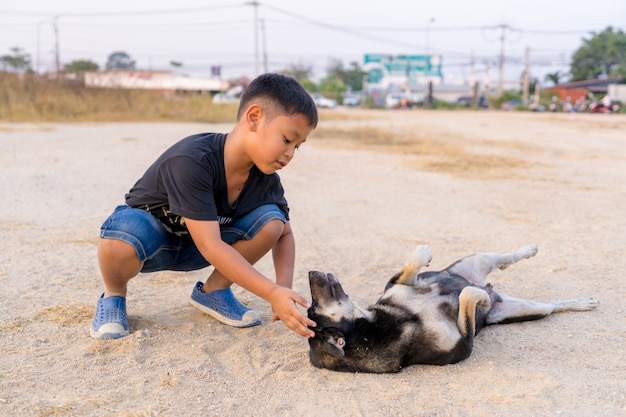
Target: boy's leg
253 237
119 263
127 239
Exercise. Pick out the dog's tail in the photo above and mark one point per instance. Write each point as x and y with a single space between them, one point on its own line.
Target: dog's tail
420 258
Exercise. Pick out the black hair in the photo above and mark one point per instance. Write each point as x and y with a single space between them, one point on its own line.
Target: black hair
285 94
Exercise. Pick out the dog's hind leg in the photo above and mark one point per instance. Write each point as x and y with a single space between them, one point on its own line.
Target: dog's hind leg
469 299
509 309
476 267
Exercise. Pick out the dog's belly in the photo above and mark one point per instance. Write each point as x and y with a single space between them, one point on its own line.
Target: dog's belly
435 311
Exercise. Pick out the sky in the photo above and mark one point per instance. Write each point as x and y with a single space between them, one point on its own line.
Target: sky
245 39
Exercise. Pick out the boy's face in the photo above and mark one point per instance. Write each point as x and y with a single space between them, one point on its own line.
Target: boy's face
279 138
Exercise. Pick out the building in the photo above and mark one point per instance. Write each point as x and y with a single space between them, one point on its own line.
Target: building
153 80
578 90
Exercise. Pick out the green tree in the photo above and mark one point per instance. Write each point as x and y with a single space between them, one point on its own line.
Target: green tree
604 54
81 65
554 77
120 60
352 77
332 87
300 71
17 61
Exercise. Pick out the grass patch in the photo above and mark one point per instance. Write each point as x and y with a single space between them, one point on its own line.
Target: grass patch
62 315
30 98
432 150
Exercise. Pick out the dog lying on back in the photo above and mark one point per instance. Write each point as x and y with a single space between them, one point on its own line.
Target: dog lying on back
421 318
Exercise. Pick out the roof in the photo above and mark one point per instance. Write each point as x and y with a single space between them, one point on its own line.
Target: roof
599 82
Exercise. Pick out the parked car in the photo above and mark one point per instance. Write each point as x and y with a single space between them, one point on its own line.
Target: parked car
467 101
352 100
222 98
232 95
516 104
323 102
511 104
536 107
398 100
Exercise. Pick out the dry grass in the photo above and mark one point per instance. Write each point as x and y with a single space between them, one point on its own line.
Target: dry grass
62 315
66 314
124 346
431 150
32 99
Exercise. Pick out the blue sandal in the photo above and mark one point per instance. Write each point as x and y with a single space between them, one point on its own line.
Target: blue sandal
110 321
223 306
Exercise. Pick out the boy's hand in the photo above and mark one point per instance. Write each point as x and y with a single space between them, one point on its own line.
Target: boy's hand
283 301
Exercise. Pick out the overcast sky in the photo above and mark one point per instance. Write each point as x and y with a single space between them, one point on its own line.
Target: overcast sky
205 33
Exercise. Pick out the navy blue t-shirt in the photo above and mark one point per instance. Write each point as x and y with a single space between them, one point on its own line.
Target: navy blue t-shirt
189 180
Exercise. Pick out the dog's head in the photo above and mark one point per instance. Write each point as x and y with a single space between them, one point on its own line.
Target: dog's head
335 315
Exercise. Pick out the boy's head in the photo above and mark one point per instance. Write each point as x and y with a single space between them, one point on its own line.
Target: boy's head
278 95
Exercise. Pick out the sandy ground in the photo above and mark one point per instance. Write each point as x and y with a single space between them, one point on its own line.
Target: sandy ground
462 182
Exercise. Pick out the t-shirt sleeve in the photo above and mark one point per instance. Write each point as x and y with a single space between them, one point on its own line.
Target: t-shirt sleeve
189 187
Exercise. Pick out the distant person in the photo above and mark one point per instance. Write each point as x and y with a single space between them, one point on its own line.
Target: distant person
215 199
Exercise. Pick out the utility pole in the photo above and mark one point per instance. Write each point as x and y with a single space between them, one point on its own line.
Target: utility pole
503 28
57 57
472 81
255 4
432 20
526 77
265 64
38 66
472 77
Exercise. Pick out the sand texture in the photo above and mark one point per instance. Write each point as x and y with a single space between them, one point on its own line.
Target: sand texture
363 192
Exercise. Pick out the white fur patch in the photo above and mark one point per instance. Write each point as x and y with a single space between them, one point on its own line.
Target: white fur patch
444 332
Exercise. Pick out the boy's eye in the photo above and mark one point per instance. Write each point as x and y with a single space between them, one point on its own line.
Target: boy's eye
289 142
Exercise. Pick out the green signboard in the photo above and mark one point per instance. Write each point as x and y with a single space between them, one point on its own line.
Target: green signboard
407 69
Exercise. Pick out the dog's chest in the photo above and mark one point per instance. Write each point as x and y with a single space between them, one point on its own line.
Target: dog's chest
433 309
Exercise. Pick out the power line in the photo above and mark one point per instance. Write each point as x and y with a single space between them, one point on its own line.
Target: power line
117 14
364 32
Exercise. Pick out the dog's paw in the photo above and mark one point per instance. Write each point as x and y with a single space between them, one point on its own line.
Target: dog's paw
576 304
529 251
475 296
422 255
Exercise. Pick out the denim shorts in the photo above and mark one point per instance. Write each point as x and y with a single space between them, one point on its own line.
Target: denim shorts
161 250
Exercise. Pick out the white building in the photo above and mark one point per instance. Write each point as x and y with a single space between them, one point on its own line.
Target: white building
152 80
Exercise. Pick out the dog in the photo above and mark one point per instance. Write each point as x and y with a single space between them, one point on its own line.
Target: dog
422 318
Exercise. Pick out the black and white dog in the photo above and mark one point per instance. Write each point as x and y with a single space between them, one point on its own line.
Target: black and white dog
421 318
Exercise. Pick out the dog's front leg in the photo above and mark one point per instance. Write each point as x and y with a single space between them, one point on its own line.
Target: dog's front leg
469 299
421 257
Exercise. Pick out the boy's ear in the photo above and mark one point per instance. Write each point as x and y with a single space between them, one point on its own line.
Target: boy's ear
253 116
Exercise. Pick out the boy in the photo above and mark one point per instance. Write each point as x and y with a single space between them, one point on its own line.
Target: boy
215 199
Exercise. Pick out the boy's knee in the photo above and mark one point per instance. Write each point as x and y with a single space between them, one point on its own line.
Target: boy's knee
272 230
116 250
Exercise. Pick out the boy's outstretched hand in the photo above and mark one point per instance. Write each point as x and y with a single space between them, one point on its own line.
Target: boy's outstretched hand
283 301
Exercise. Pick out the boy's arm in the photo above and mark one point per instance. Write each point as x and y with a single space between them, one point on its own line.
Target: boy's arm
206 236
284 255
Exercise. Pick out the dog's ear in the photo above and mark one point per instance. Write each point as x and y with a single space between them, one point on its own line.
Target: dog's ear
333 345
